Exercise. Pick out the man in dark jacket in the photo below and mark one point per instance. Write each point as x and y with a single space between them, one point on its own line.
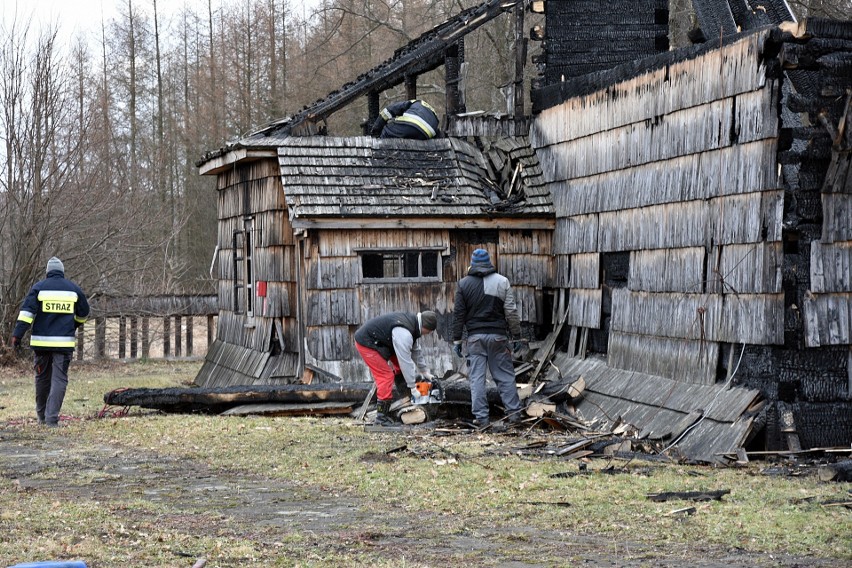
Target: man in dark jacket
388 345
413 119
485 307
55 308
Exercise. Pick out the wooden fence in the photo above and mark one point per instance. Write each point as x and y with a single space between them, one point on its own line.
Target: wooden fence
148 327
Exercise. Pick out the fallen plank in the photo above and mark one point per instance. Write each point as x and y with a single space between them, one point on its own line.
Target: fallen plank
362 412
689 495
277 409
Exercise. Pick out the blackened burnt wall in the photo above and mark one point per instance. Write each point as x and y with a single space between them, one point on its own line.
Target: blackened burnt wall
584 36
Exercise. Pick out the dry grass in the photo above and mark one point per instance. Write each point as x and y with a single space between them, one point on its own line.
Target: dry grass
455 489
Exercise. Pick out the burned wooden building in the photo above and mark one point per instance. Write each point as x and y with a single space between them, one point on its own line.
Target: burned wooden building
685 213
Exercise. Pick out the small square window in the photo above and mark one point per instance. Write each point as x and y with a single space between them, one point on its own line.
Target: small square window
401 265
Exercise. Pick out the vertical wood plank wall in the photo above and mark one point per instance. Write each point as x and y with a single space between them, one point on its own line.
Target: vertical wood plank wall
676 167
253 189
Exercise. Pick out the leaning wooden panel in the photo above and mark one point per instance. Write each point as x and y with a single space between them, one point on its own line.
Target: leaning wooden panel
828 319
684 360
585 271
667 270
584 308
746 269
831 267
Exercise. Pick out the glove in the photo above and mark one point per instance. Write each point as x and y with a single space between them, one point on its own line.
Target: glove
457 349
16 342
414 393
425 376
517 346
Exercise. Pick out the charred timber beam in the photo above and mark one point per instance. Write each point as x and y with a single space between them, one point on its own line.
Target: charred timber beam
418 57
219 399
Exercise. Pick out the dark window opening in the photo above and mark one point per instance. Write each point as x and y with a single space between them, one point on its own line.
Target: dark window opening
401 265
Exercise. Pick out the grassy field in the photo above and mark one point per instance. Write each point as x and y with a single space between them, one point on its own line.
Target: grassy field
149 489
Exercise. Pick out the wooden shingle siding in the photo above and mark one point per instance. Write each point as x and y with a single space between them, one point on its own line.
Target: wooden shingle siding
333 307
562 270
718 74
346 243
831 266
685 360
584 308
330 343
743 168
746 269
836 211
279 301
525 242
585 270
526 269
576 234
274 263
667 270
689 131
828 319
746 318
333 273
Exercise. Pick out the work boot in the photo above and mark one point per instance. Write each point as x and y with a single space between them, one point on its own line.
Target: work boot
383 417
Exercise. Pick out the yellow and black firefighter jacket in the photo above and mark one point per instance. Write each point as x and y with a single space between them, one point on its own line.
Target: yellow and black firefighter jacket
54 307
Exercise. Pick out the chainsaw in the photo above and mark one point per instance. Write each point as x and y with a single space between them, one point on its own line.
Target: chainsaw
429 391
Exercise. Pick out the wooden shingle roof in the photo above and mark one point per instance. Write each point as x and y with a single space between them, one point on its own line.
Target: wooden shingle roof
328 180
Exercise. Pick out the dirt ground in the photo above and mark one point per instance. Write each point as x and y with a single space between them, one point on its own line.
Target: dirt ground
261 510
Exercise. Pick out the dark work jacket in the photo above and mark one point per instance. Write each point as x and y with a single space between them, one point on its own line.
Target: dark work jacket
484 303
377 333
54 307
413 119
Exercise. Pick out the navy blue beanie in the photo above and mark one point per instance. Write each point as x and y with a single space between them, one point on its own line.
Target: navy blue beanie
480 256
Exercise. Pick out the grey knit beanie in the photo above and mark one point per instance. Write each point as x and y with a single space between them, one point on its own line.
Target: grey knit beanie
55 264
429 320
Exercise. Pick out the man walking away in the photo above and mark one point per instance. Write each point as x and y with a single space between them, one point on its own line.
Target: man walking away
388 345
485 307
55 307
